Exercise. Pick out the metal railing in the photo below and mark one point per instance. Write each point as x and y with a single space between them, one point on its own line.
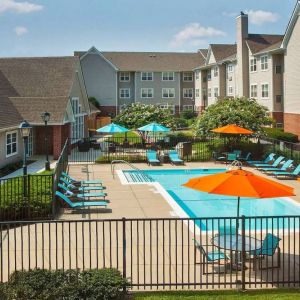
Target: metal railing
162 253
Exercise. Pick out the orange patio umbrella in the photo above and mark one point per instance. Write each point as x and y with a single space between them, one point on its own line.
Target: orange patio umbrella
232 129
240 183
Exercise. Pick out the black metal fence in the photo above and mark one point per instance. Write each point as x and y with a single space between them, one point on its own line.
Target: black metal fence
161 253
26 197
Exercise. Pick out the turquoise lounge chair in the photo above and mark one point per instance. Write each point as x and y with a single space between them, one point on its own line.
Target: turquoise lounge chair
245 158
267 159
81 182
82 195
292 175
268 248
82 204
81 188
276 163
284 167
174 158
152 158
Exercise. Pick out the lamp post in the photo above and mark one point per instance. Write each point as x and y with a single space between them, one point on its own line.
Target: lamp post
25 130
46 117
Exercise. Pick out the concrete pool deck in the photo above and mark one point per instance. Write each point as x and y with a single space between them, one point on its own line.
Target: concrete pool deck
139 200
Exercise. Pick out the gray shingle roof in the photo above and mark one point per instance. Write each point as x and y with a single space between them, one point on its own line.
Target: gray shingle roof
223 51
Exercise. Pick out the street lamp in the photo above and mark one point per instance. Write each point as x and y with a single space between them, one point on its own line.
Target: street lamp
25 130
46 117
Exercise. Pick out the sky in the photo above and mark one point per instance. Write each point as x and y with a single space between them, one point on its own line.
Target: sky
59 27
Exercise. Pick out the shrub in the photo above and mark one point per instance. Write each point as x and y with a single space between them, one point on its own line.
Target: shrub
181 123
188 114
71 284
279 134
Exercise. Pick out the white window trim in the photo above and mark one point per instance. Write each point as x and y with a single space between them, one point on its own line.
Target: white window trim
197 91
188 89
250 65
17 146
197 75
162 76
124 80
120 94
216 87
209 93
230 71
81 114
188 107
162 93
267 69
254 84
261 85
147 93
152 75
216 71
230 87
171 107
187 80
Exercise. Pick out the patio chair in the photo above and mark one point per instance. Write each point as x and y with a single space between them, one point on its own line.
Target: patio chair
268 248
245 158
152 157
284 167
237 152
231 157
72 187
276 163
267 159
174 158
210 257
224 230
80 182
83 204
290 175
81 195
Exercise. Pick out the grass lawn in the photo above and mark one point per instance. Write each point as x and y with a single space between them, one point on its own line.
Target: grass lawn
274 294
132 136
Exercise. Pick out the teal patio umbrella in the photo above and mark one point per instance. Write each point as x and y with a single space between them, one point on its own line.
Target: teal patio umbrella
154 127
112 128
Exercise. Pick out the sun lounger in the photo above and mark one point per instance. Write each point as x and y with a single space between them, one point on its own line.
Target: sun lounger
275 163
284 167
81 182
174 158
152 158
81 195
267 159
72 187
82 204
292 175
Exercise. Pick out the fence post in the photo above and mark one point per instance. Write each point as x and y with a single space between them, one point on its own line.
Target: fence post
53 195
243 254
124 248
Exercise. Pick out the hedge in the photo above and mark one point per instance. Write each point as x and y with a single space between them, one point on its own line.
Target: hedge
95 284
279 134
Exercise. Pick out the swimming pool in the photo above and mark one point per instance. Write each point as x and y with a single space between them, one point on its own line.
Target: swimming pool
196 204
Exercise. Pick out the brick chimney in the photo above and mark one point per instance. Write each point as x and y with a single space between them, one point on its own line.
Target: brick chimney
242 55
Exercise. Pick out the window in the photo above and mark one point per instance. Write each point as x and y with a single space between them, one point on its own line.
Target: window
168 93
124 76
253 90
278 98
169 107
188 76
216 92
230 90
147 76
230 78
265 90
11 143
197 93
77 127
230 68
168 76
187 93
124 93
278 69
146 93
264 62
197 74
208 75
253 67
216 71
188 107
209 92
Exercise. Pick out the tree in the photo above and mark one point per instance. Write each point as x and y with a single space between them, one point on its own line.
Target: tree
244 112
138 114
94 101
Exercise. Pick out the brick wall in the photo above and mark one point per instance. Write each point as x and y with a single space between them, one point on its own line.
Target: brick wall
108 111
292 123
60 134
277 116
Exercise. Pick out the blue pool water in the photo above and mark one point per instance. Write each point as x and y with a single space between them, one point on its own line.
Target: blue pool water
198 204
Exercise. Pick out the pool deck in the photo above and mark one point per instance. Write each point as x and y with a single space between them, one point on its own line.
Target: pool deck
139 200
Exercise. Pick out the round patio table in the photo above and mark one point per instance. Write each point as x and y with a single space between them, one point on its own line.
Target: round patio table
233 242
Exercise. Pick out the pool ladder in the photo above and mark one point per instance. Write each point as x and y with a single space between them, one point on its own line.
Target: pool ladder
140 173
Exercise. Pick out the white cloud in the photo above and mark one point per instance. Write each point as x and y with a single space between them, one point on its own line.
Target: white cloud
194 32
21 30
21 7
259 17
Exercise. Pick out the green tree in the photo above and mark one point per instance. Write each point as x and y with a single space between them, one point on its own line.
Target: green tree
138 114
94 101
243 112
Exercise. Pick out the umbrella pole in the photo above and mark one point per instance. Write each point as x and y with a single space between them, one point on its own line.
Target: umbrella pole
238 214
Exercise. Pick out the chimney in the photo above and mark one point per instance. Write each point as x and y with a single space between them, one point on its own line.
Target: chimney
242 55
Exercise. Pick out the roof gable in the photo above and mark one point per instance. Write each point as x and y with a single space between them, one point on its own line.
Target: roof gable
259 42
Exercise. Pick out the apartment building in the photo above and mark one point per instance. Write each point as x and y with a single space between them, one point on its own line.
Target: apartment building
117 79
